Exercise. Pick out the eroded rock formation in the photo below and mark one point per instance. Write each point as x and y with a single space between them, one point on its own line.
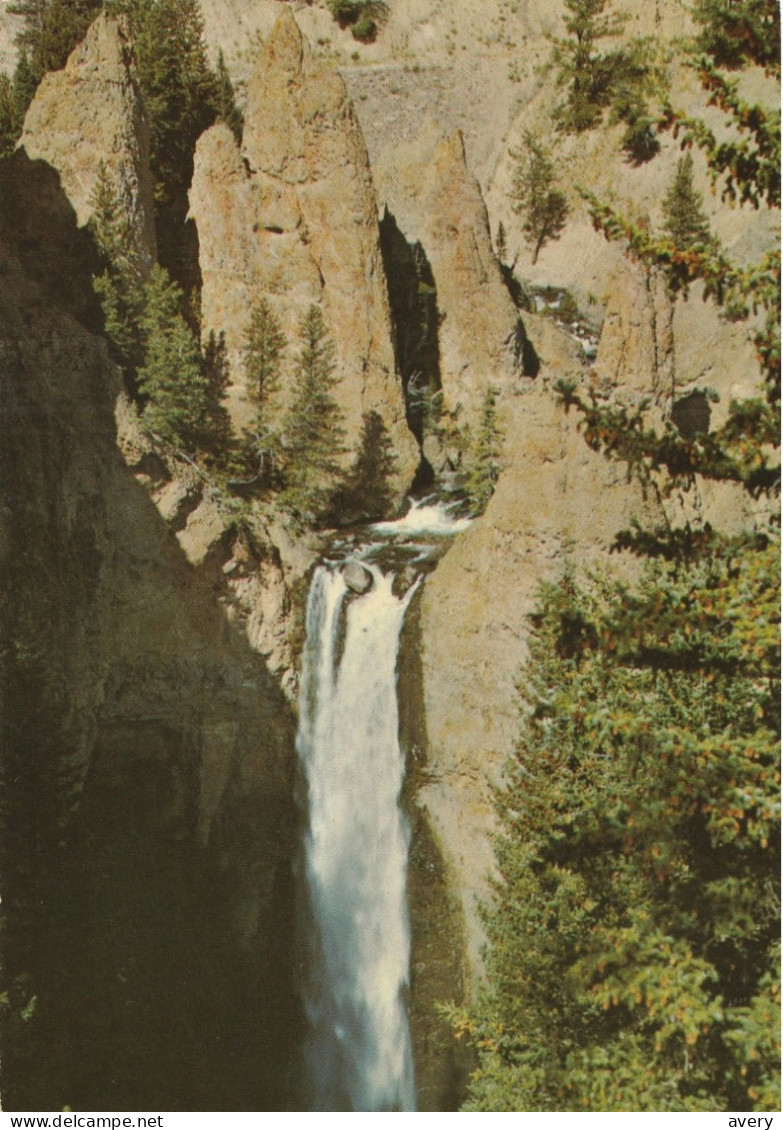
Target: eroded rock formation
436 201
89 116
293 217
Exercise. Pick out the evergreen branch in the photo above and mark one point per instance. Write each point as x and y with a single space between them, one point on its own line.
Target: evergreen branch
734 453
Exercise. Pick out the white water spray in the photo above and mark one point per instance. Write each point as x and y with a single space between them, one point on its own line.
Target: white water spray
357 1050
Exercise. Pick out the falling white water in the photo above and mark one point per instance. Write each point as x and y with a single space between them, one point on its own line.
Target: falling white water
425 517
358 1051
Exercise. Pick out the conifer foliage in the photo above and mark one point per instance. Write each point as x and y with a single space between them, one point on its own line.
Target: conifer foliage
730 27
365 494
51 29
634 938
633 961
181 98
536 195
683 215
265 346
180 397
313 429
583 68
622 79
226 108
120 285
486 467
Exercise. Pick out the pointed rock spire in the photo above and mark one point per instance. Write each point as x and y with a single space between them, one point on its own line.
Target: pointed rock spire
91 114
295 219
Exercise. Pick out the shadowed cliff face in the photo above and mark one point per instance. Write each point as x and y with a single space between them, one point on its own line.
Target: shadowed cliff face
147 752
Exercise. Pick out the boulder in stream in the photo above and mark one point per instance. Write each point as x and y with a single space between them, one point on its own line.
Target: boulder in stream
358 577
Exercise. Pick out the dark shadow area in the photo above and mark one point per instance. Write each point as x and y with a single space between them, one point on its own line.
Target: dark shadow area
38 225
414 306
526 360
147 753
520 295
177 241
691 415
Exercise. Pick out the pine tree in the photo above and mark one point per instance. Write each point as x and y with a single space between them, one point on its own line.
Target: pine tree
25 85
683 216
226 108
501 248
64 25
33 13
636 79
633 959
51 30
367 492
582 67
485 468
120 285
265 344
172 378
536 198
217 432
313 433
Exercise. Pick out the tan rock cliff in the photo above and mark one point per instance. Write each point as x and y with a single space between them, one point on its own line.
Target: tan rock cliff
556 503
436 200
294 217
90 114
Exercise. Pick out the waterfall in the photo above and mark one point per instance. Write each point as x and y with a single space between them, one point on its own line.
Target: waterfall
357 1048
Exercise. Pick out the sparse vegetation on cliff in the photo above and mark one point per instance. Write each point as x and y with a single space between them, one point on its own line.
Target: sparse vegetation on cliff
363 17
537 196
486 454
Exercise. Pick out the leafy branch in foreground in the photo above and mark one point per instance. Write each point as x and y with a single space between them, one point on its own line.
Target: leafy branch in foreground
749 163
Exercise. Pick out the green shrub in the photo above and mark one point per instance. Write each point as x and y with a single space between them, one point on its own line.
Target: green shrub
568 310
345 12
365 29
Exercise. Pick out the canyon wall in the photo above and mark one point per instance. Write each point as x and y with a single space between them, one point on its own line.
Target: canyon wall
167 641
